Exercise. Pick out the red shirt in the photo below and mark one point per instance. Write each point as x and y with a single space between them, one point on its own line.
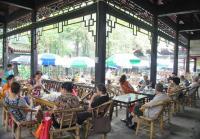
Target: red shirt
127 88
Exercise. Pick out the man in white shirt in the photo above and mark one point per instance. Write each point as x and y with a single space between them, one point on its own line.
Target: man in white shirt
152 112
147 110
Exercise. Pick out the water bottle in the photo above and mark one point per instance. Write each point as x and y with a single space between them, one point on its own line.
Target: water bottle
129 98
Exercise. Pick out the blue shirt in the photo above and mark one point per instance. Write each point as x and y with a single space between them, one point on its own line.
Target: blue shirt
6 74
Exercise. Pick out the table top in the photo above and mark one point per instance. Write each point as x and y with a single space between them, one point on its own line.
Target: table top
149 92
129 98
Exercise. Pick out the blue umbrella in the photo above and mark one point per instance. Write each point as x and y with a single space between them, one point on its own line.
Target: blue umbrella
47 59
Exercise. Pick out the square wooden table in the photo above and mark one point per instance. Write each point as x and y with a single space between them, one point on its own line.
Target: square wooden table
127 100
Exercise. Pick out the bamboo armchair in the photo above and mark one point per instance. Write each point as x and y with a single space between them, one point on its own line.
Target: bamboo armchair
100 111
5 117
149 124
112 91
68 120
85 92
175 100
18 125
191 96
43 102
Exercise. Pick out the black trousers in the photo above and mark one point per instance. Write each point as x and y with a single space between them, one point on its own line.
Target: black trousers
56 124
82 116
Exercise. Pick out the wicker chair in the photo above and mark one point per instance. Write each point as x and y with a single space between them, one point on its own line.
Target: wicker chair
192 96
5 118
175 100
43 103
67 117
18 125
114 91
85 92
149 124
100 111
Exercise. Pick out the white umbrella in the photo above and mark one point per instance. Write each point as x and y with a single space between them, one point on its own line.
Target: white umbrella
22 60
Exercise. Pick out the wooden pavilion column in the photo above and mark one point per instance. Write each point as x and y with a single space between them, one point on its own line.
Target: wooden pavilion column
100 42
187 67
34 59
175 66
5 47
154 45
195 65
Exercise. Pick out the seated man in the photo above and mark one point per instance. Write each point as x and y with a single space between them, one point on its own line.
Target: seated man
144 83
146 109
194 85
184 81
98 98
160 96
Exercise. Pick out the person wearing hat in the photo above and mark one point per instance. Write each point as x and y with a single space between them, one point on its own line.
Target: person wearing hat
6 87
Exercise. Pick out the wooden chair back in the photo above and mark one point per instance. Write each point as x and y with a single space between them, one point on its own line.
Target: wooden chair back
102 110
112 91
43 102
85 92
67 117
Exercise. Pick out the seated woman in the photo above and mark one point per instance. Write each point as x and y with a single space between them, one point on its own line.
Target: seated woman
125 85
98 98
151 112
36 83
65 101
14 99
7 86
174 85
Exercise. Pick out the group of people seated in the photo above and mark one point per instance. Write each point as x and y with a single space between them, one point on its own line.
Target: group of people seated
126 87
161 94
65 100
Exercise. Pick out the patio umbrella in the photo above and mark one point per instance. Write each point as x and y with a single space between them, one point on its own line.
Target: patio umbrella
81 62
143 64
49 59
122 60
22 60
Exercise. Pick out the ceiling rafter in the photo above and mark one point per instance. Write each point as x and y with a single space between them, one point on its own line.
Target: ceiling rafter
24 4
189 27
179 7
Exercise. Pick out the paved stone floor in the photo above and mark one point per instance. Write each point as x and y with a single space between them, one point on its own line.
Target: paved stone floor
184 125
